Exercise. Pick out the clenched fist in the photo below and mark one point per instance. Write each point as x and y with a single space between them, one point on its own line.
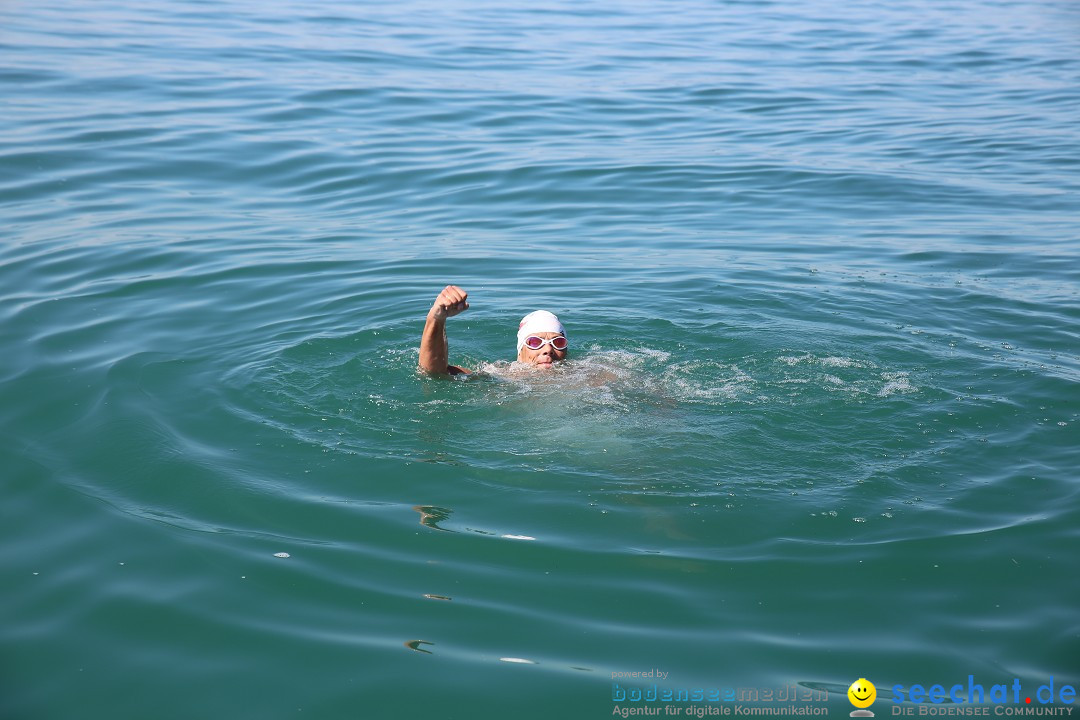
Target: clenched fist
451 301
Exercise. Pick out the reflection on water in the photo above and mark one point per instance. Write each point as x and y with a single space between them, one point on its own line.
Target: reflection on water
431 516
415 645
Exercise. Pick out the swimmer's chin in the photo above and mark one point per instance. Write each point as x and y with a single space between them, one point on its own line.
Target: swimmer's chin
539 365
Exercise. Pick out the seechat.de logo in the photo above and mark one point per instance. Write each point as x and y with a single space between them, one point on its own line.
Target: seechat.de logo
862 695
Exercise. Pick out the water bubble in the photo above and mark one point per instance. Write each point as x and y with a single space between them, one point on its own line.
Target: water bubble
281 555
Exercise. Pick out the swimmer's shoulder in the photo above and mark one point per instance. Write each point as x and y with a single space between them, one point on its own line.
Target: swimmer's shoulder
455 370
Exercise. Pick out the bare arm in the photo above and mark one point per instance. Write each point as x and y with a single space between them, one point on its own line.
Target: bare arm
434 350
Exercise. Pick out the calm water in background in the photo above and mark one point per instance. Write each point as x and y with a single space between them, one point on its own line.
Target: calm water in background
824 257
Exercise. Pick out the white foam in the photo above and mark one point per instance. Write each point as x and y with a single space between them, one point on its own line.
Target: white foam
795 359
895 382
839 361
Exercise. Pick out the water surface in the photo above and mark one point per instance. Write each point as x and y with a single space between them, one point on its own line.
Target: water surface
819 267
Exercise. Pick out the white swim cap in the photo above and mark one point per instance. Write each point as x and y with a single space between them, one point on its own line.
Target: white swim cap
538 321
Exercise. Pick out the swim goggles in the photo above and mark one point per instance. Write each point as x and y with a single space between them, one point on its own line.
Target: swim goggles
535 343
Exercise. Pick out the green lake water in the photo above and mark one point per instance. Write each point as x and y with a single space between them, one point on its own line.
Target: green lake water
819 264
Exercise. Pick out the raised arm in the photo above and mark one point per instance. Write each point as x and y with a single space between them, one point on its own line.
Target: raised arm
434 350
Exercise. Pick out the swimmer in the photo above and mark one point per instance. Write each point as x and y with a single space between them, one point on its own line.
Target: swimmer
541 340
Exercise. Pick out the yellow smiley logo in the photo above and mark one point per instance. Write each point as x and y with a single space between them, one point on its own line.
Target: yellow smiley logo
862 693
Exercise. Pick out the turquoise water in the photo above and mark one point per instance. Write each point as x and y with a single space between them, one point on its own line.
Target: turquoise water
819 267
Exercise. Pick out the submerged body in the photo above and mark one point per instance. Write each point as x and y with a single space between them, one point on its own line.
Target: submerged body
541 338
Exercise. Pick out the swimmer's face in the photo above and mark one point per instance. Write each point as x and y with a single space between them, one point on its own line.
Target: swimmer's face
545 356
